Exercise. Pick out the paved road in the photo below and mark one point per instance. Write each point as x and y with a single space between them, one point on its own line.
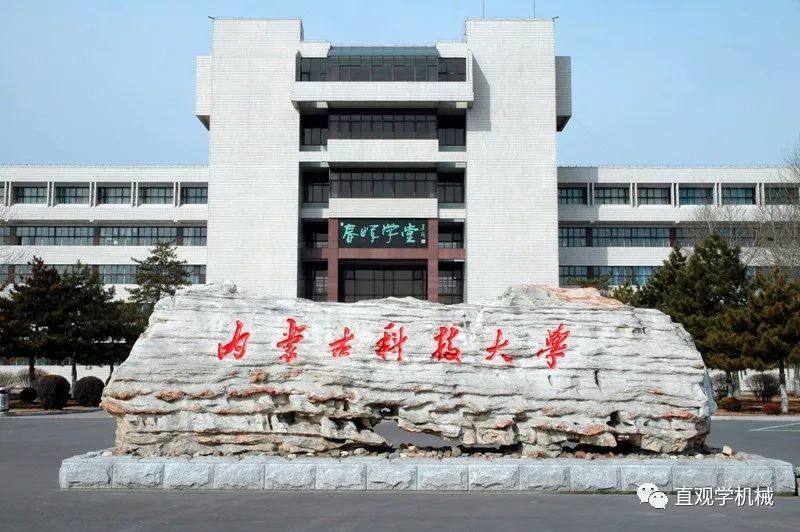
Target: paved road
31 450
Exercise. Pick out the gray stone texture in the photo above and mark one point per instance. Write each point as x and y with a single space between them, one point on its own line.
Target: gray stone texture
499 477
238 475
751 476
93 471
633 475
135 475
593 477
696 476
175 396
341 476
84 473
450 477
287 476
394 476
541 477
189 475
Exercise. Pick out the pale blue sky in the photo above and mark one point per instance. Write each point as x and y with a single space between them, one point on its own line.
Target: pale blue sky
654 81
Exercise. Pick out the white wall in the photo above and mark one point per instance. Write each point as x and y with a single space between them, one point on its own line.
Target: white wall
253 155
511 204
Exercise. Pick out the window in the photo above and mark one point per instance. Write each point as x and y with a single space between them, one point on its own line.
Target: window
683 237
315 282
452 130
451 235
630 237
194 195
194 236
195 274
780 195
5 274
450 189
55 236
572 275
738 195
383 124
740 235
118 273
611 195
114 195
118 236
695 195
137 236
452 69
72 195
375 282
30 194
654 196
5 236
572 237
67 269
361 183
316 187
572 195
618 275
155 195
451 283
22 272
314 130
381 68
315 234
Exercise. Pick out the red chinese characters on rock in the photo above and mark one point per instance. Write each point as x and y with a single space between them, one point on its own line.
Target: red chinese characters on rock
392 340
499 344
291 338
237 346
445 350
341 346
555 345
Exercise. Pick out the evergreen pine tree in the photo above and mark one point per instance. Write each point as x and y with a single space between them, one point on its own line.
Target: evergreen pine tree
31 317
87 317
768 328
158 276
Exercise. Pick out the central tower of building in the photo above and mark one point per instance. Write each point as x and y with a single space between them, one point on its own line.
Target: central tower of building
343 173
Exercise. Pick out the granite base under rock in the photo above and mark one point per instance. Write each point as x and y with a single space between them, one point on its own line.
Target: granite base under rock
100 470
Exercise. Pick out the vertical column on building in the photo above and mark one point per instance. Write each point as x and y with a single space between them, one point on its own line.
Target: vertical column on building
332 253
433 259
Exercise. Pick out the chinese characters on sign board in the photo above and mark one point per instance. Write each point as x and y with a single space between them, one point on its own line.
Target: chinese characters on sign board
391 342
382 233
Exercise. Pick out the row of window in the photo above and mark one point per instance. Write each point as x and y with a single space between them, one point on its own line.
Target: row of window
315 130
367 183
619 275
381 68
109 273
108 195
101 236
614 275
569 237
649 195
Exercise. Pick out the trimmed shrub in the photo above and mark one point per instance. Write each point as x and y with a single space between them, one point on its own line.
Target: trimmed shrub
53 392
88 391
772 409
28 395
764 386
22 377
731 404
719 384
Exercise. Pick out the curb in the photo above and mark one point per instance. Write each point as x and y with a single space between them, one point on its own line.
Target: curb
778 418
17 414
556 475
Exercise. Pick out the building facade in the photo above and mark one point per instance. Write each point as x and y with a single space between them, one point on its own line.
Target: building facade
342 173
